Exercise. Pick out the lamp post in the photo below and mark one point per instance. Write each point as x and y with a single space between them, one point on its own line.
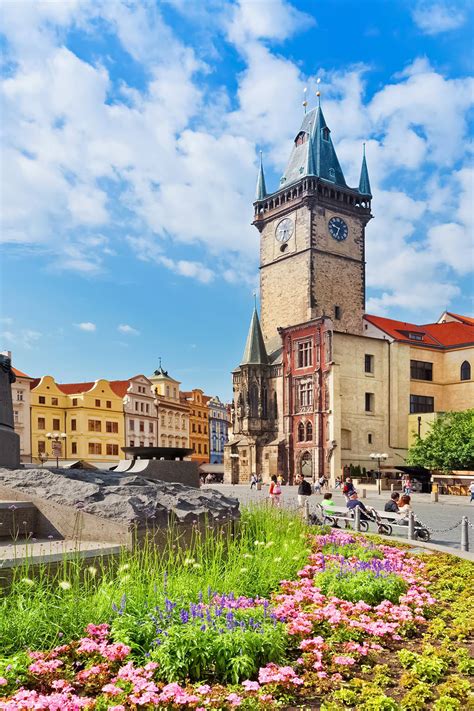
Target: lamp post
379 458
56 439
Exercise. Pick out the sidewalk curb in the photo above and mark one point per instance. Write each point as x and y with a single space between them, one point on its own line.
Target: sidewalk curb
466 555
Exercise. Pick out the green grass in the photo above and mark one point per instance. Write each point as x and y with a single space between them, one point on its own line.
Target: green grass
38 613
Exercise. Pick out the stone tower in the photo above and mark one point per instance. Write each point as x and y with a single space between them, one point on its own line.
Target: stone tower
312 246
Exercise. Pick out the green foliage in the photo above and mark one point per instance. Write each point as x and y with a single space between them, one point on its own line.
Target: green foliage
427 667
456 687
39 614
361 585
449 444
416 698
191 652
447 703
14 668
352 550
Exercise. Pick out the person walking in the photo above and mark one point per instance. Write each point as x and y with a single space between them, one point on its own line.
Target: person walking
317 486
471 491
304 491
253 481
274 491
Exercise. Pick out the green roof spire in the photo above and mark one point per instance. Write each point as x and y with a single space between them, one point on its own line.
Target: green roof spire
261 191
310 166
255 352
364 182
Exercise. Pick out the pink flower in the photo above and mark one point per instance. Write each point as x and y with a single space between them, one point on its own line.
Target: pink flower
112 689
3 681
250 685
348 661
234 699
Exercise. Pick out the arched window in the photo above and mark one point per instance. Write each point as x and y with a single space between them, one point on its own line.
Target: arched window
301 432
309 431
264 402
275 405
254 400
466 370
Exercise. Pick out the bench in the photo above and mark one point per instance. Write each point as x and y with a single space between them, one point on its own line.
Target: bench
387 520
340 513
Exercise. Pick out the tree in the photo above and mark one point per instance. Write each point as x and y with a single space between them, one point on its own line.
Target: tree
449 444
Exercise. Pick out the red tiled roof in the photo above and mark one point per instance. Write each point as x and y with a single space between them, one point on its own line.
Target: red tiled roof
120 387
433 335
463 319
34 383
73 388
20 374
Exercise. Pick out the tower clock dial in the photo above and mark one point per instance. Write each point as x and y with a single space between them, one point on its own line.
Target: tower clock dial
284 230
338 229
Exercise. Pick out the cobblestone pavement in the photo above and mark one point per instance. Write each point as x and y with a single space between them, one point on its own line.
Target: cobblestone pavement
437 516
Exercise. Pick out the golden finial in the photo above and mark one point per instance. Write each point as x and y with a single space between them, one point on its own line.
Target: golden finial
305 99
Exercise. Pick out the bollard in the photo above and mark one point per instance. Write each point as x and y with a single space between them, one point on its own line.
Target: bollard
363 494
464 534
411 526
392 488
357 518
306 511
434 496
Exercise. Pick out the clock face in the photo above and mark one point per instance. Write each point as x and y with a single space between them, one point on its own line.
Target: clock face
338 228
284 230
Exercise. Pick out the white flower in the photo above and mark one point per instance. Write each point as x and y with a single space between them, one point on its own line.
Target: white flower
296 557
188 561
197 565
277 560
247 555
28 581
244 570
123 568
269 544
65 585
125 578
92 571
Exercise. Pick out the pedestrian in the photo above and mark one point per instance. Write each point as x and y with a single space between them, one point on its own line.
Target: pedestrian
392 505
354 503
348 488
337 483
304 491
280 480
471 491
322 482
253 481
327 503
317 486
274 491
408 486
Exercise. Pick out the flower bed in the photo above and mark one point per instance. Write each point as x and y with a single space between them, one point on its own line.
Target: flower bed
363 625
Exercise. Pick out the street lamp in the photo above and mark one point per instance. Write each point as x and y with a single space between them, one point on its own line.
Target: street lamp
379 458
56 439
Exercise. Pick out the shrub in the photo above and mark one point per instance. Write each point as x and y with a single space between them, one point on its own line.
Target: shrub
370 587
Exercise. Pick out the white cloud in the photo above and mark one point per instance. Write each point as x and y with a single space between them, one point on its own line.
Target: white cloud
266 19
435 17
129 330
86 326
19 337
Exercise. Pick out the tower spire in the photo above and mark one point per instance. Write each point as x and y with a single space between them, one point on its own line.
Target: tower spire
261 191
364 182
255 352
310 164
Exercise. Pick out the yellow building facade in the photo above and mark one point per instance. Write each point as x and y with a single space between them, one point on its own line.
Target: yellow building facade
89 414
198 424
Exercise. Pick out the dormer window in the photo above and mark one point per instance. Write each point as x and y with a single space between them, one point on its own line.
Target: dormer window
332 173
415 336
301 138
325 133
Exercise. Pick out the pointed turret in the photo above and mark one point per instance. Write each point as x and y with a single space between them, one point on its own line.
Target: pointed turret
364 182
255 352
261 191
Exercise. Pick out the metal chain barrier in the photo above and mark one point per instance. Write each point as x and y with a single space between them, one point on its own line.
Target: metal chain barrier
440 530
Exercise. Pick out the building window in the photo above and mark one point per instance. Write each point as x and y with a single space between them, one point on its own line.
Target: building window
74 401
73 447
309 431
95 448
112 450
136 407
416 336
54 401
199 429
56 424
97 403
111 427
41 447
162 420
325 133
19 395
108 404
150 427
132 443
142 426
131 425
41 423
421 403
94 426
421 370
167 391
305 394
194 427
42 400
199 448
141 443
73 425
369 438
369 363
16 417
205 449
466 370
305 354
369 402
337 312
301 432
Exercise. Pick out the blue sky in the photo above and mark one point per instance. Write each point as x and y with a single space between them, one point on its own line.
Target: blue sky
131 133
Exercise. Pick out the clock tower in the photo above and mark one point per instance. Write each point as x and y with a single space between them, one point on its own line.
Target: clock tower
312 247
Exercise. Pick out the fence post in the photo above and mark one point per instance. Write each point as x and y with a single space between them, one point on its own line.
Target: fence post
411 526
464 534
363 493
357 518
306 511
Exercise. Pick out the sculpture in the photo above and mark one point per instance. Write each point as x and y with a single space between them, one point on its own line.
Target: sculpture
9 440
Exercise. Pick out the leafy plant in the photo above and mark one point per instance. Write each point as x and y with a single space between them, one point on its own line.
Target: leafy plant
370 587
449 444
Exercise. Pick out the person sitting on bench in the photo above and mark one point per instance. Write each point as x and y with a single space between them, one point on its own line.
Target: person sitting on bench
392 505
354 502
404 509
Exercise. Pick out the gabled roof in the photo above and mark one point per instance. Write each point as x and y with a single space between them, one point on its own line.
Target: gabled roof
73 388
120 387
20 374
449 334
463 319
255 352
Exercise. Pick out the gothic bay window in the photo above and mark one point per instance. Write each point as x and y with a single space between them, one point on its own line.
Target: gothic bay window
301 432
305 354
305 394
309 431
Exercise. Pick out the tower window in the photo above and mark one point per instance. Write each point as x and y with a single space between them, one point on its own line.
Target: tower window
326 133
301 432
369 402
332 173
309 431
305 354
466 370
369 363
305 394
337 312
369 438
